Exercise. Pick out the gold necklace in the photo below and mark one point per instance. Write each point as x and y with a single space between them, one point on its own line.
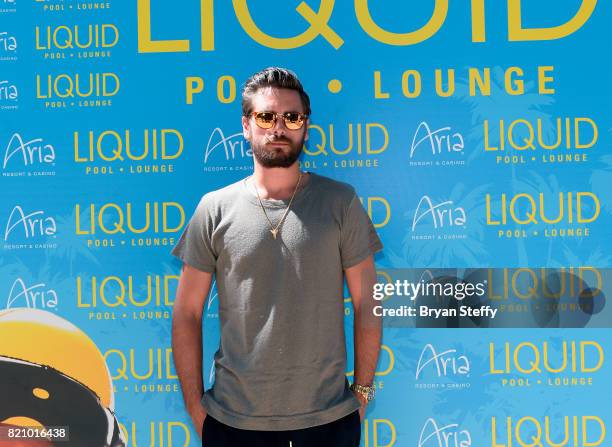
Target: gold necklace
274 229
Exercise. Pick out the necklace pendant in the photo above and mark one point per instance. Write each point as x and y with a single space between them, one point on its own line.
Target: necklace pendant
274 232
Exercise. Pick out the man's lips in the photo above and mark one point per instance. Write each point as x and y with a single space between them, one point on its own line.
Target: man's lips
278 142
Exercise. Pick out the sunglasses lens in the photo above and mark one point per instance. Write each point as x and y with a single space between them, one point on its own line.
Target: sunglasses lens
265 120
293 120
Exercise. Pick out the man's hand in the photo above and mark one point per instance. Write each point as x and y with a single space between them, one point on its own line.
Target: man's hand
367 328
364 403
191 295
198 414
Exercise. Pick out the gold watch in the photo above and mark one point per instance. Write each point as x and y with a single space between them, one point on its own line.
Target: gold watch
367 391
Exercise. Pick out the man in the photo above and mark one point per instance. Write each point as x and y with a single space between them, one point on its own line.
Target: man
279 243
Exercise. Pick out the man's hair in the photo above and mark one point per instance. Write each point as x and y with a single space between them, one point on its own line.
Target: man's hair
275 77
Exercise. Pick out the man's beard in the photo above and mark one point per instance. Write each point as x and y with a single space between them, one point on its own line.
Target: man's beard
277 157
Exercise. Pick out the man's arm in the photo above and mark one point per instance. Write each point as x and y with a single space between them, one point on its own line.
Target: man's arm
193 288
367 327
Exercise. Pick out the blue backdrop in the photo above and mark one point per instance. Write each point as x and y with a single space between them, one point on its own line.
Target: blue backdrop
476 133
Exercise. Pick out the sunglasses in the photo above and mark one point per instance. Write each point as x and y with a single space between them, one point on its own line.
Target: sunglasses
267 120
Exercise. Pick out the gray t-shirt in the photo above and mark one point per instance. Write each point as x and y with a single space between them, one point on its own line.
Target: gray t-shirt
281 362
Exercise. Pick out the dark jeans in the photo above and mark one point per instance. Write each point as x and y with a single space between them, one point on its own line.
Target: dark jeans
345 432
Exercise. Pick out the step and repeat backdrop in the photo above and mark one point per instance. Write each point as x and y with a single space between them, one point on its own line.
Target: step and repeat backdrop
477 134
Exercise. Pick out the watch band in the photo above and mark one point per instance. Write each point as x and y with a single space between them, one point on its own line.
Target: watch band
367 391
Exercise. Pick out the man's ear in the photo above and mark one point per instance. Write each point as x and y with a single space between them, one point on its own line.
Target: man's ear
306 124
246 129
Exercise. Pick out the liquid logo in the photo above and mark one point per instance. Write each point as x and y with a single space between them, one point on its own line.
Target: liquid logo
345 146
157 433
128 151
148 224
126 291
530 431
562 214
75 37
91 89
65 85
521 141
527 364
142 370
319 25
113 218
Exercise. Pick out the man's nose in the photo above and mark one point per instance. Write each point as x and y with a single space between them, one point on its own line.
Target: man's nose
279 125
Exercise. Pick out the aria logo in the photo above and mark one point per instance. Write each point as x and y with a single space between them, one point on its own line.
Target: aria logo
29 226
8 46
8 5
441 215
450 435
443 364
226 148
9 94
27 153
37 296
437 142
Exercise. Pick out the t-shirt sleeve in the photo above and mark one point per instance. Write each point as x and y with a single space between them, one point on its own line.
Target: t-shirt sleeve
358 236
195 247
